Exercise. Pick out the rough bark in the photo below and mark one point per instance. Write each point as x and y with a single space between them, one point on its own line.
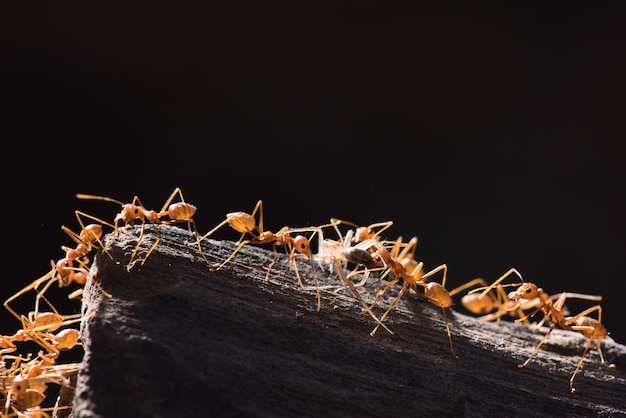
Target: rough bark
175 339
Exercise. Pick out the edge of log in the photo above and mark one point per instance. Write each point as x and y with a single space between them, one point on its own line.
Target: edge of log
176 337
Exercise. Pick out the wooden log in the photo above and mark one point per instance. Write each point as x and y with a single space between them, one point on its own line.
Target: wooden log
175 339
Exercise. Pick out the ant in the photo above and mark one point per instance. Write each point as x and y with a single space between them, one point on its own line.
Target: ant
181 212
39 327
411 273
136 211
494 306
485 304
86 241
21 397
64 271
28 384
589 327
246 224
89 235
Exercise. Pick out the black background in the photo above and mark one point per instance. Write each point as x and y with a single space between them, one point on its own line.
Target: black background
493 134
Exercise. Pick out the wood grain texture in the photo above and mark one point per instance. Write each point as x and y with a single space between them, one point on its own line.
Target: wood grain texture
176 339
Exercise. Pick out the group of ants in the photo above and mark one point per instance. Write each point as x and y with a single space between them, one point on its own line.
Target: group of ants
357 252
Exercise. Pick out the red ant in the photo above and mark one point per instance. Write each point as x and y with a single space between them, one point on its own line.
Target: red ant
589 327
28 384
404 268
64 271
136 211
494 306
246 224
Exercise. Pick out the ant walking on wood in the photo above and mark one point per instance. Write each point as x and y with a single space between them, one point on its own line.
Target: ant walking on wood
136 211
404 268
589 327
247 225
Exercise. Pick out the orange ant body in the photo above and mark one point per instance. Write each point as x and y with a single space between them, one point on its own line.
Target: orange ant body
136 211
21 397
89 235
404 268
494 306
246 224
64 271
28 382
130 213
40 327
485 304
589 327
180 212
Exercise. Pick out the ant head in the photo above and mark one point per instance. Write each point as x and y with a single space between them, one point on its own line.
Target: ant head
19 385
302 245
129 213
362 233
525 291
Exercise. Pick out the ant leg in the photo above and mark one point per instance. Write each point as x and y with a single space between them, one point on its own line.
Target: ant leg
478 280
543 340
136 249
50 276
580 363
504 276
169 200
382 318
445 317
344 279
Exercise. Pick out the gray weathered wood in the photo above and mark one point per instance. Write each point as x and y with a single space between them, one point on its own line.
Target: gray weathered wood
176 339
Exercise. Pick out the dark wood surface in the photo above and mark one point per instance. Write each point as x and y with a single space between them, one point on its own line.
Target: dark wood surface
175 339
